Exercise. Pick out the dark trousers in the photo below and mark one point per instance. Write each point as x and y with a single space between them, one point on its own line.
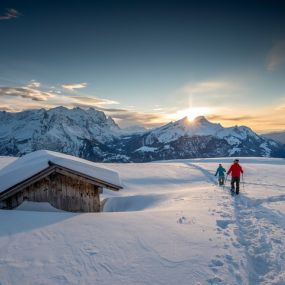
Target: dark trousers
235 180
221 180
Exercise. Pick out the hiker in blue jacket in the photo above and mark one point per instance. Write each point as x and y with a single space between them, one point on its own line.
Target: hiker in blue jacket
221 174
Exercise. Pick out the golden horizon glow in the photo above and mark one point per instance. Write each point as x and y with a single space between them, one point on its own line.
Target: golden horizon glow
190 113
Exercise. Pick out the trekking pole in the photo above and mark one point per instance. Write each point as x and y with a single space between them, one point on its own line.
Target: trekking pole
242 181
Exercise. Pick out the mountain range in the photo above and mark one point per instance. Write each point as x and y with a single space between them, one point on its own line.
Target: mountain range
92 135
277 136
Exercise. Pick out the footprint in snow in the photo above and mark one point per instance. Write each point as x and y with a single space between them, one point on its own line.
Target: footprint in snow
182 220
215 280
216 262
224 223
91 251
279 242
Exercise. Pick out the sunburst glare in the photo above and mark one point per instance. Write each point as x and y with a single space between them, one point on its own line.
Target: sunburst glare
191 113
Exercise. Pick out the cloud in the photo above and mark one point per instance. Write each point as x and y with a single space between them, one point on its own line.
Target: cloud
99 108
7 108
33 91
125 117
17 104
15 99
254 119
112 110
25 92
276 56
229 118
281 108
34 84
72 86
128 118
10 14
93 100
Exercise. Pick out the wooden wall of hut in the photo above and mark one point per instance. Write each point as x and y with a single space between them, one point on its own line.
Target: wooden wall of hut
61 192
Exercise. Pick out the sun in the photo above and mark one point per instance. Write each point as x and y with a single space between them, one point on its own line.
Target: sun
191 117
193 113
190 113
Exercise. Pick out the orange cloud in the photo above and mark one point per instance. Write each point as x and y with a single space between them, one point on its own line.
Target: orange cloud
72 86
93 100
25 92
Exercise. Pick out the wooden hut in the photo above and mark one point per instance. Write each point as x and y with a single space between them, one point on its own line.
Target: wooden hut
66 182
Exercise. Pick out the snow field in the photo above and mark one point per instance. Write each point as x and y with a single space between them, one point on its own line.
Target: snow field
171 224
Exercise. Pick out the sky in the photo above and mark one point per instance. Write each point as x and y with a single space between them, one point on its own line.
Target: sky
147 62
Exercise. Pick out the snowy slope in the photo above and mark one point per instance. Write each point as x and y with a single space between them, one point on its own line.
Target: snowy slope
201 138
174 226
202 127
199 127
60 129
277 136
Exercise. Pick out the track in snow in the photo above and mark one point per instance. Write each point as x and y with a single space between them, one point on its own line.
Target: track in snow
264 253
248 219
225 223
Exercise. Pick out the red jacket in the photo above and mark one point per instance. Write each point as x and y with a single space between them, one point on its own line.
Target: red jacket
236 170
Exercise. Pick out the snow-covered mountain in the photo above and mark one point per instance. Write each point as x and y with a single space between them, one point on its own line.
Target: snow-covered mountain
92 135
135 129
277 136
201 127
200 138
75 131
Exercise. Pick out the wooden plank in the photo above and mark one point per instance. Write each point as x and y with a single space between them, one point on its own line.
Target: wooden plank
97 206
81 178
63 192
22 185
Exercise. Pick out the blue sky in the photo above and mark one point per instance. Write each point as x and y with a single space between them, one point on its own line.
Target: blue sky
147 62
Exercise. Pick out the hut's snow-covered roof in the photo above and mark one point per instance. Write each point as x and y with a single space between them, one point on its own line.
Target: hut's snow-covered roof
5 160
22 168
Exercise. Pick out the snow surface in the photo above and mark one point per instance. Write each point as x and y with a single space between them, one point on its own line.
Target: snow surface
174 225
37 206
32 163
5 160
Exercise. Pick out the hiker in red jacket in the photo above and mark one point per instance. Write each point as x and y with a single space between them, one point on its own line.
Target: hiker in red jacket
235 170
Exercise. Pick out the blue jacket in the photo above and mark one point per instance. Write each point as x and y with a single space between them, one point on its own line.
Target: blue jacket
221 171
